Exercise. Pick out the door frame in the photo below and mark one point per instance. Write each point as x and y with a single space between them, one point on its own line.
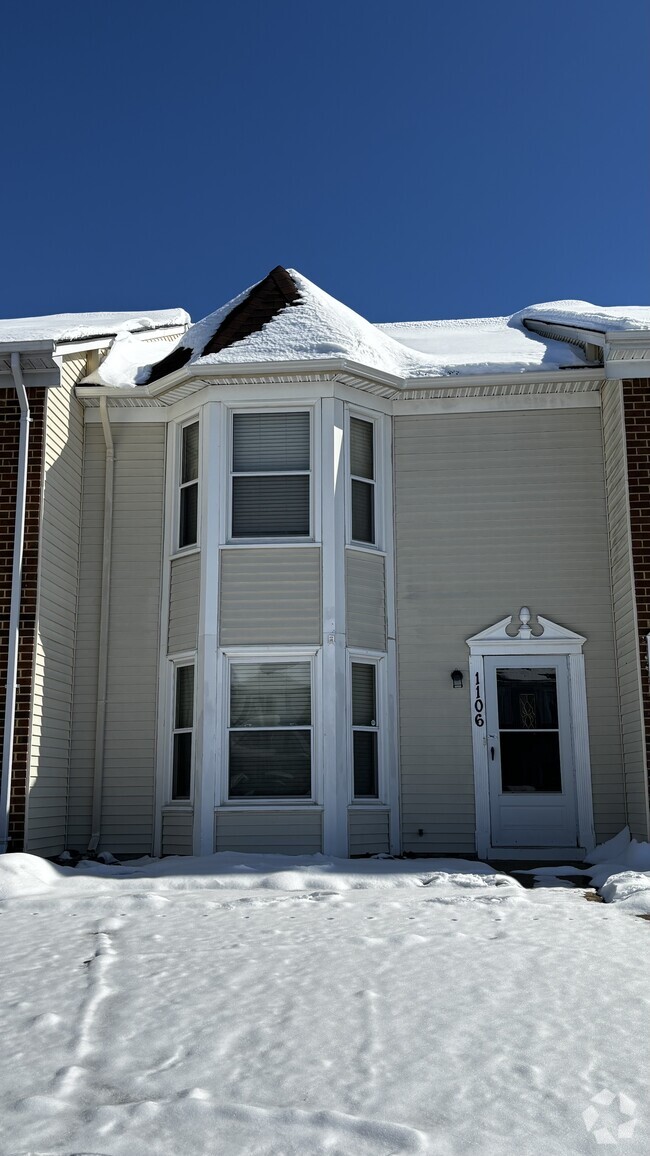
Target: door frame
509 638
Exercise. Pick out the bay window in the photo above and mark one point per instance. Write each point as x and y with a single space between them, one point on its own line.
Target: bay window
270 730
362 480
188 497
183 732
271 475
365 731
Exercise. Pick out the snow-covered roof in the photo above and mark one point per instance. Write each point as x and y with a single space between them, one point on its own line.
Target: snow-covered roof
584 315
286 318
77 326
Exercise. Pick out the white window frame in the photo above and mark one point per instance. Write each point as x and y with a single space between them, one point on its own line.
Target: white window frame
377 423
179 660
180 486
379 661
270 654
502 640
312 473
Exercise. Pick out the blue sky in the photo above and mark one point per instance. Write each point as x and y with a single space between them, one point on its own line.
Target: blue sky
417 159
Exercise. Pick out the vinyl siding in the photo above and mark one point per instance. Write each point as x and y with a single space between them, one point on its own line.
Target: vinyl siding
270 596
129 751
365 594
368 832
495 511
57 608
269 832
625 617
177 832
184 604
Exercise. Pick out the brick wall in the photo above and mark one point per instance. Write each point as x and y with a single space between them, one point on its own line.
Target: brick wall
9 438
636 398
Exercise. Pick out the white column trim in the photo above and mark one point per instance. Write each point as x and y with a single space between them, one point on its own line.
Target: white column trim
206 659
334 760
580 733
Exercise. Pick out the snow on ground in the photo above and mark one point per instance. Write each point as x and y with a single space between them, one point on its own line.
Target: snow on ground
76 326
299 1007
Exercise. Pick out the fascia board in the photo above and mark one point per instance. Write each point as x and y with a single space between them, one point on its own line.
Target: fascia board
100 342
46 346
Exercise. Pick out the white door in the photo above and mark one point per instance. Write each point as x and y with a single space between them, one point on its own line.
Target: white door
530 754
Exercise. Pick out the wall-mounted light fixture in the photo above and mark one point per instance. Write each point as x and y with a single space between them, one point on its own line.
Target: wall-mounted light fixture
456 679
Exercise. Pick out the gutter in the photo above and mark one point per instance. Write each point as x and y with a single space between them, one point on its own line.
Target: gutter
14 610
102 658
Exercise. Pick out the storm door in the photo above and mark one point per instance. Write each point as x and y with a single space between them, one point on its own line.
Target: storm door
530 760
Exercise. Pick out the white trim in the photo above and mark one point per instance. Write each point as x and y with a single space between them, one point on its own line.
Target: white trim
392 684
555 640
161 756
334 731
206 666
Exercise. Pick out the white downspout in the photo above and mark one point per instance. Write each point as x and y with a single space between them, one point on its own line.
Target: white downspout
102 658
14 610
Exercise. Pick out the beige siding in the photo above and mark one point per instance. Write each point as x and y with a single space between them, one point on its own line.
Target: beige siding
365 594
493 511
57 608
177 832
184 604
269 832
270 596
627 654
82 747
368 831
129 751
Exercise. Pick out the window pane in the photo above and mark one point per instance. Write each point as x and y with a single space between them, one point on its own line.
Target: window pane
530 762
270 442
364 713
182 772
361 448
184 715
270 764
363 520
270 694
188 515
190 468
365 764
270 507
527 698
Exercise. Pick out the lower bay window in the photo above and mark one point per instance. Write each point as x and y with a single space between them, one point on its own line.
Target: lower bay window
270 730
183 733
365 731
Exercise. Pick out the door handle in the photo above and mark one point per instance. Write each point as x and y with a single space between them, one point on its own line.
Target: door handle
492 753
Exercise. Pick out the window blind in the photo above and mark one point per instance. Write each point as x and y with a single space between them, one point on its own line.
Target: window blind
270 442
270 694
361 448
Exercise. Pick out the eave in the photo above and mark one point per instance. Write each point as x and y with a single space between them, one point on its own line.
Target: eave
192 378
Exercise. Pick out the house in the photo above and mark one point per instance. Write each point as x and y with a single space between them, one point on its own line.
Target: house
295 582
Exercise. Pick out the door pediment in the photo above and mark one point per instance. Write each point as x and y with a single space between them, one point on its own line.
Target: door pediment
516 636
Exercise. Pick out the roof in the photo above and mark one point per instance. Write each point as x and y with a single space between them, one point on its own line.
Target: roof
286 318
77 326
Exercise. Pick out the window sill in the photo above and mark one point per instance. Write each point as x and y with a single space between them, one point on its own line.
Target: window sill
186 552
260 805
365 548
263 543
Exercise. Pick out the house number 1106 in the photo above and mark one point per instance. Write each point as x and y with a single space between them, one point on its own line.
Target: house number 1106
479 721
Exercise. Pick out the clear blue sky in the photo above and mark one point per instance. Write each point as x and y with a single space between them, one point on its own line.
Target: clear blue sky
416 158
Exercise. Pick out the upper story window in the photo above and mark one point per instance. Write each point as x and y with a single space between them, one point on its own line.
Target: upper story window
271 478
188 508
362 475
